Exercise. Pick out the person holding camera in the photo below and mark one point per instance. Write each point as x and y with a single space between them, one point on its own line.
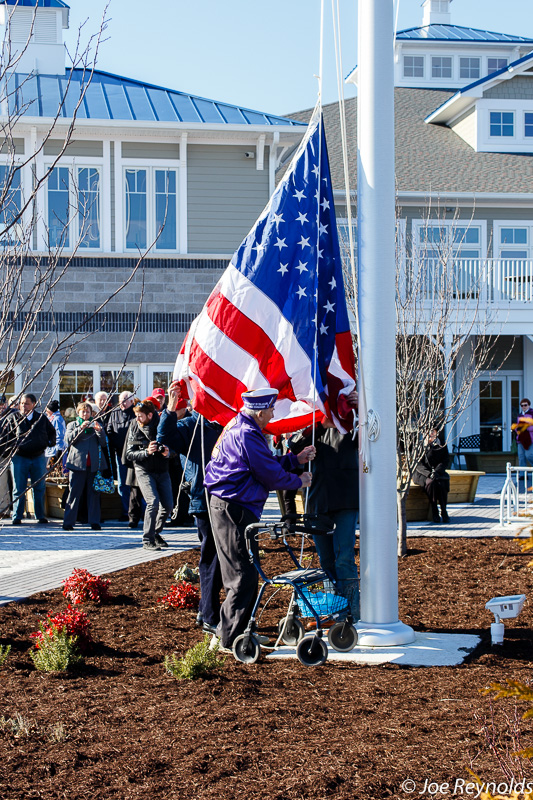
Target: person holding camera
150 461
85 443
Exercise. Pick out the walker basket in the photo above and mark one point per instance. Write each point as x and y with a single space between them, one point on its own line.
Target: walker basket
324 601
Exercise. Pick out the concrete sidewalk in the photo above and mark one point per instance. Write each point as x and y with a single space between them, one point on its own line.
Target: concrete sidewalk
34 558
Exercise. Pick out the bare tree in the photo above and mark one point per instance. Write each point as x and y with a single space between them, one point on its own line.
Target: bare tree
442 345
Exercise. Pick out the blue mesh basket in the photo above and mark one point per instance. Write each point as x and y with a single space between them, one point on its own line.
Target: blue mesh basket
324 603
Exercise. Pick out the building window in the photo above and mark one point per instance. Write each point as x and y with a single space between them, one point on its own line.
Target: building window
73 216
502 123
11 197
495 64
58 207
514 243
528 123
89 207
413 66
151 208
76 383
469 68
441 67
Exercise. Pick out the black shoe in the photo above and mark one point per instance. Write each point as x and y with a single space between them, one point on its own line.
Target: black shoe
123 518
16 522
199 621
133 525
96 527
42 521
160 541
68 527
445 517
436 519
151 546
209 628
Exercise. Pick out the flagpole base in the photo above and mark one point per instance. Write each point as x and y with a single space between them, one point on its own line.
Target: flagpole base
374 634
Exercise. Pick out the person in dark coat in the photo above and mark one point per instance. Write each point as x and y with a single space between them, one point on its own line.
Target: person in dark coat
335 493
117 431
431 475
85 443
185 435
150 460
25 437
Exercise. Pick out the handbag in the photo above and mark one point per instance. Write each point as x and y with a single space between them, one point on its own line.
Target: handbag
101 484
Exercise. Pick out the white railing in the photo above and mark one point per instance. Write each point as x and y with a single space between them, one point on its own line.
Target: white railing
516 499
489 280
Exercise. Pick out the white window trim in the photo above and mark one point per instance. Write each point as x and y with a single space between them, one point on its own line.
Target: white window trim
96 369
25 182
518 143
512 223
414 77
73 164
502 111
419 224
440 78
471 58
151 165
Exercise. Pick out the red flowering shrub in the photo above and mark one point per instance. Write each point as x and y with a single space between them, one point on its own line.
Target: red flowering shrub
76 623
181 595
82 586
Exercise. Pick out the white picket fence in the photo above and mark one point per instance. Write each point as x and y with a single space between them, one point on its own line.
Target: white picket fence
516 499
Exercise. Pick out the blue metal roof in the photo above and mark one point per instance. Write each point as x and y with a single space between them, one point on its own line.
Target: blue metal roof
455 33
33 3
113 97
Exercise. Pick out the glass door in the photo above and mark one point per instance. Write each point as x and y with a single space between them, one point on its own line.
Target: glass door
499 401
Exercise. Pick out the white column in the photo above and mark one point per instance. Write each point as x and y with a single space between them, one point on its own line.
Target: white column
379 624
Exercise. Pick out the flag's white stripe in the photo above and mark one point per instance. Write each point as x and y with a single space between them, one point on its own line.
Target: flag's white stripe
228 355
256 305
209 390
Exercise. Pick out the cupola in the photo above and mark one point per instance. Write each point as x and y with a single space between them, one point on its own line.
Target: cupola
436 12
34 29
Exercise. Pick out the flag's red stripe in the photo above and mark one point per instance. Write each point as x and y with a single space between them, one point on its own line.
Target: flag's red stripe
253 340
215 377
293 423
209 407
345 351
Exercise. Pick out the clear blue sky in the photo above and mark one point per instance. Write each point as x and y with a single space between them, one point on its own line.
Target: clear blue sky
249 53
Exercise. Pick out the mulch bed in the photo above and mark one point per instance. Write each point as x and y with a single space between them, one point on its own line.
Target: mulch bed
274 730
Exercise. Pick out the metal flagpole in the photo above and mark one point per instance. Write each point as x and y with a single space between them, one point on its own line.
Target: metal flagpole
379 624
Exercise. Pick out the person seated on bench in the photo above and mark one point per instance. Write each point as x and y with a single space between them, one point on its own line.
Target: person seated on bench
431 475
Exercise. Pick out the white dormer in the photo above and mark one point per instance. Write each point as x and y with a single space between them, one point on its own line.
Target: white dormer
436 12
34 29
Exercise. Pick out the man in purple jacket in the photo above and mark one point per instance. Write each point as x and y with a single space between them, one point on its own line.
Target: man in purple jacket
241 473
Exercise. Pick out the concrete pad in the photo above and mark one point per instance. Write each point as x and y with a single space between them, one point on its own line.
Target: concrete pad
428 650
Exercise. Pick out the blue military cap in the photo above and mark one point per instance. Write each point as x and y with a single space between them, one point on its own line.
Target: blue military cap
259 399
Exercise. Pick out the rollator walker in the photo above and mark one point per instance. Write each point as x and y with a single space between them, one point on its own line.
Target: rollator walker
314 596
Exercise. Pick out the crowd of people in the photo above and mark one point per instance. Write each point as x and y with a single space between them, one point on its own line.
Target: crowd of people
228 473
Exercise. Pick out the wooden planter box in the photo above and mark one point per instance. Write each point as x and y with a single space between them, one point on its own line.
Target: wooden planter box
463 487
490 462
110 504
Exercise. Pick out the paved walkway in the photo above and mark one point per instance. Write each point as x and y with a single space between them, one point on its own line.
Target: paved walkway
34 558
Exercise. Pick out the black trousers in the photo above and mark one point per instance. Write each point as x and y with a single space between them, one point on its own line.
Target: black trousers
239 576
209 569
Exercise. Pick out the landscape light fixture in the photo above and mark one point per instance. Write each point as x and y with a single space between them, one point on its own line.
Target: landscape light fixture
503 608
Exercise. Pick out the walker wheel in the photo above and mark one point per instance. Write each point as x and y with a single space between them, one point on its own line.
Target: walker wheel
312 651
248 655
293 631
342 637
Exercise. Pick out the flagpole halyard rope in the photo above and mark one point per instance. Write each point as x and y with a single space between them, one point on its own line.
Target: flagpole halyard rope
362 410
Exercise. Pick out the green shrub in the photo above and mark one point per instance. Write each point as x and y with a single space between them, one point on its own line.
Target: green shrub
56 651
197 662
4 652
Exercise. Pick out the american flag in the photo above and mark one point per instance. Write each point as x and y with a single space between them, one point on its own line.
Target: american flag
278 317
